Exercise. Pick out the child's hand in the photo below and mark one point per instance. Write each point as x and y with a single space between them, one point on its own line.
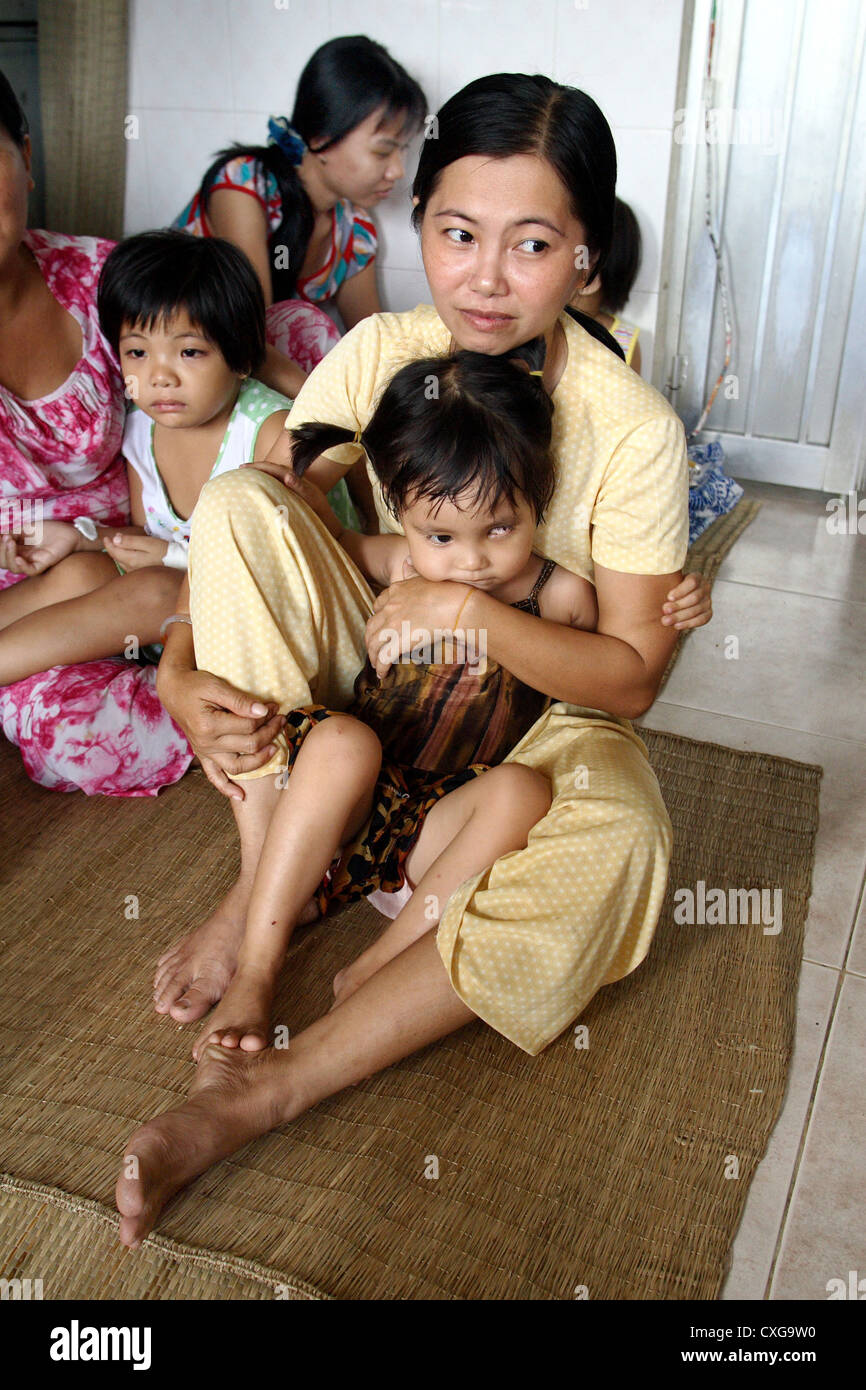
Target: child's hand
57 539
689 604
133 550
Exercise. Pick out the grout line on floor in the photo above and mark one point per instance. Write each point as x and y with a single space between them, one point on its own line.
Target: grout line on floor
804 1134
744 719
861 900
775 589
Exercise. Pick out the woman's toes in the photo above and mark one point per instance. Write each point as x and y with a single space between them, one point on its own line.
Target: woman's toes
254 1040
195 1001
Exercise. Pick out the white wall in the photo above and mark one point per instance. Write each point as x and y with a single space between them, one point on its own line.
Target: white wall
206 72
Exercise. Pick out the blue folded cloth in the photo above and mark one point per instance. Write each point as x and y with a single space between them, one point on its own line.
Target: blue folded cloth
711 492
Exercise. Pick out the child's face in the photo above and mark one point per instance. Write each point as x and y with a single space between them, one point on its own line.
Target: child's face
174 374
486 548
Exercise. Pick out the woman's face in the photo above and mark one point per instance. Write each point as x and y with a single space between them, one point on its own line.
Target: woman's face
501 249
366 163
15 184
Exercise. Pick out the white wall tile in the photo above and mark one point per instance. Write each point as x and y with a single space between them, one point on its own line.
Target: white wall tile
137 204
482 36
624 53
180 55
403 289
409 31
270 46
184 143
643 164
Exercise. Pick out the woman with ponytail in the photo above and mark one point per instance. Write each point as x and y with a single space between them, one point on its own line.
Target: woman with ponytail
299 206
514 202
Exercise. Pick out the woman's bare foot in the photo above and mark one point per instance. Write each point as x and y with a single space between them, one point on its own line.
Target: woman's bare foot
196 972
234 1098
242 1017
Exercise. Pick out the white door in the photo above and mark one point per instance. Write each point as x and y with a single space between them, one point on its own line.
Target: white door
787 156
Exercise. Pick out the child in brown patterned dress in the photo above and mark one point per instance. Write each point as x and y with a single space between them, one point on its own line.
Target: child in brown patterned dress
398 793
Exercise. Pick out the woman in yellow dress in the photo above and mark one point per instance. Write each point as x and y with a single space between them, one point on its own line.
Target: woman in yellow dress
514 203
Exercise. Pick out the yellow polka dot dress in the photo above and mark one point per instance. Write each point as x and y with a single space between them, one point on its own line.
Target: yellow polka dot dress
279 610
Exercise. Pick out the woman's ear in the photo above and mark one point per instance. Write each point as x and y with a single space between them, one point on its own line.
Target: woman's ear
592 288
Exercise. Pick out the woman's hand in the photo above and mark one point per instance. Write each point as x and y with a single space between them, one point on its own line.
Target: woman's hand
422 604
316 500
689 604
58 539
230 731
134 550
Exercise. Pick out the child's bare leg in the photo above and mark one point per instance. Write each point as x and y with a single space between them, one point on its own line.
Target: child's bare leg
464 833
327 799
194 973
95 624
76 574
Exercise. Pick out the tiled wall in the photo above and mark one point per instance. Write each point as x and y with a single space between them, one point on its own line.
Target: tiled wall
206 72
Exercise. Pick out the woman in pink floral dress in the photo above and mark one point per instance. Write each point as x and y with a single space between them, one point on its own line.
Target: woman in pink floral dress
98 726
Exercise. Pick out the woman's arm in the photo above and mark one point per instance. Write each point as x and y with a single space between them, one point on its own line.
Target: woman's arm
230 730
240 218
358 296
618 668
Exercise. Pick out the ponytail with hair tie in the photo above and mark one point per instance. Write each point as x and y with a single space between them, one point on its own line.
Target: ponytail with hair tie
293 146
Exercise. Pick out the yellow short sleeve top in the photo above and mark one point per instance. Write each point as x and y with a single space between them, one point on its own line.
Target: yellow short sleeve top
621 497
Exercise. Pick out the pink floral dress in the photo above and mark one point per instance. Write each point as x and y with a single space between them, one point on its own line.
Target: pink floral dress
97 726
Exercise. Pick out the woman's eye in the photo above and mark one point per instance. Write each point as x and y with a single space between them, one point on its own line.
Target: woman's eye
535 245
457 234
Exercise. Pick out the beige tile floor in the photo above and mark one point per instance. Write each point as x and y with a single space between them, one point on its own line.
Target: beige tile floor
794 595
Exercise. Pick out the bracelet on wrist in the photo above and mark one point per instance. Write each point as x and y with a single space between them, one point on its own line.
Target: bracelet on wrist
175 618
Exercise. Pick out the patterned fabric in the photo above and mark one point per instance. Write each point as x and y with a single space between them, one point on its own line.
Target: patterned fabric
97 727
711 492
440 717
402 799
626 335
63 451
353 236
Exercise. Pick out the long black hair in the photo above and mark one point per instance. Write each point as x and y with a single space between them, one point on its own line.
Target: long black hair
512 113
622 265
12 117
148 277
343 82
468 422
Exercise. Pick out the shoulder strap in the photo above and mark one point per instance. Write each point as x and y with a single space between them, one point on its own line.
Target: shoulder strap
530 603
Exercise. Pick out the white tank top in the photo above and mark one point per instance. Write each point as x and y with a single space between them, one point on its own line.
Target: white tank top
254 404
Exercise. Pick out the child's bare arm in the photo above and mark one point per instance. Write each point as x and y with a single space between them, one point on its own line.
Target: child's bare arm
568 599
